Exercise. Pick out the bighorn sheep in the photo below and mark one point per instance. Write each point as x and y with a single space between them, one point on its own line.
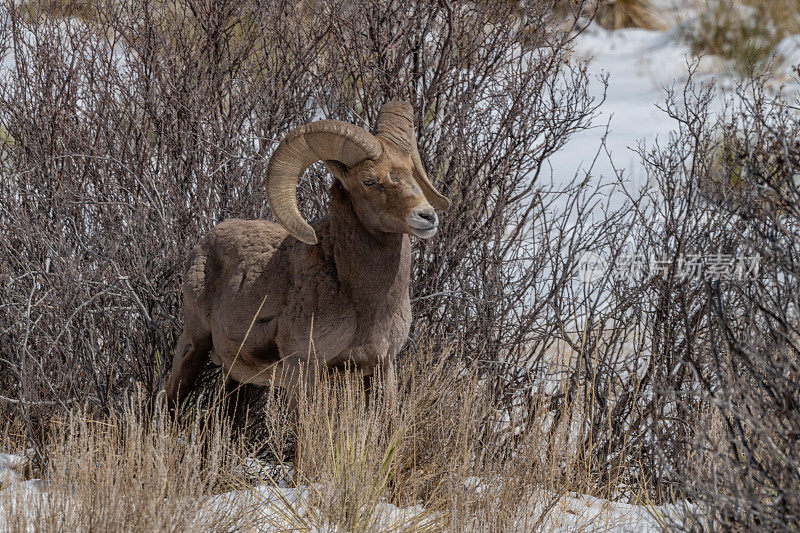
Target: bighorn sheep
256 293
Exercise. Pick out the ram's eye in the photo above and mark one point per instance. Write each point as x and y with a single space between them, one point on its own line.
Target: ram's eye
369 182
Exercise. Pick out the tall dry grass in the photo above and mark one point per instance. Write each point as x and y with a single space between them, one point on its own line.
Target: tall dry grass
743 32
617 14
613 14
443 456
130 471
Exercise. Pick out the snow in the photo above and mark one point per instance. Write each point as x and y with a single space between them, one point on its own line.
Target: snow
285 509
579 512
788 54
11 469
278 507
639 66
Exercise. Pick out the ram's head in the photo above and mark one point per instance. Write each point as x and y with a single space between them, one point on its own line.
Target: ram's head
382 174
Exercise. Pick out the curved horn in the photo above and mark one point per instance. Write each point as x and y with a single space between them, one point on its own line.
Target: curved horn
396 123
321 140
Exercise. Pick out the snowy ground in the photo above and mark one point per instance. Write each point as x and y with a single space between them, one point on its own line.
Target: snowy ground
641 65
284 508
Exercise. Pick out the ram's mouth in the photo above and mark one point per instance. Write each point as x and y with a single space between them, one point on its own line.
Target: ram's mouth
424 232
423 222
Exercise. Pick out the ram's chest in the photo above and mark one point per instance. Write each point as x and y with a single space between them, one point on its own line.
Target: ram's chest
383 332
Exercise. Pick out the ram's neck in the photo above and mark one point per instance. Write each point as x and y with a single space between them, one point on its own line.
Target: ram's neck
375 268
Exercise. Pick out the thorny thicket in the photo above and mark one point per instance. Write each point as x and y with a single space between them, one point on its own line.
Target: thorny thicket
717 369
130 128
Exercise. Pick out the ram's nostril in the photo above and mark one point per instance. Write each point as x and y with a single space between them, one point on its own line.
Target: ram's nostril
426 215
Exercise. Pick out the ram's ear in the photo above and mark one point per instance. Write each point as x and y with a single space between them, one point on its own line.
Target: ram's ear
337 169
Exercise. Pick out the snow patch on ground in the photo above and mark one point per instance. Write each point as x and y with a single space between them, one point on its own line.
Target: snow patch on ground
277 506
12 468
285 509
640 66
788 53
578 512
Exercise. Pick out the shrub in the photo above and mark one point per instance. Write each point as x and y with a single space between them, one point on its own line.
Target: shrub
754 474
743 32
129 134
732 339
617 14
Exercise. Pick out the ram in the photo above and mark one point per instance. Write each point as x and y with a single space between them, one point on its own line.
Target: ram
270 301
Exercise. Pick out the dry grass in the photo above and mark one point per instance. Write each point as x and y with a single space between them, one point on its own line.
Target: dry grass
784 14
617 14
131 472
744 32
441 457
612 14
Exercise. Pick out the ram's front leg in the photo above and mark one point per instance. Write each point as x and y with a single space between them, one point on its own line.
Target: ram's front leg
384 370
389 377
377 368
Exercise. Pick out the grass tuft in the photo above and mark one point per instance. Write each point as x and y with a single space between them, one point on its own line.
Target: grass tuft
441 456
618 14
744 32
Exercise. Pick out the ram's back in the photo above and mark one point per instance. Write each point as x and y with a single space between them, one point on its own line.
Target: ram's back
234 264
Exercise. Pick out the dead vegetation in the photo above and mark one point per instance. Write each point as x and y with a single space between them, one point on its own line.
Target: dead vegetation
131 471
444 458
613 14
745 33
617 14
